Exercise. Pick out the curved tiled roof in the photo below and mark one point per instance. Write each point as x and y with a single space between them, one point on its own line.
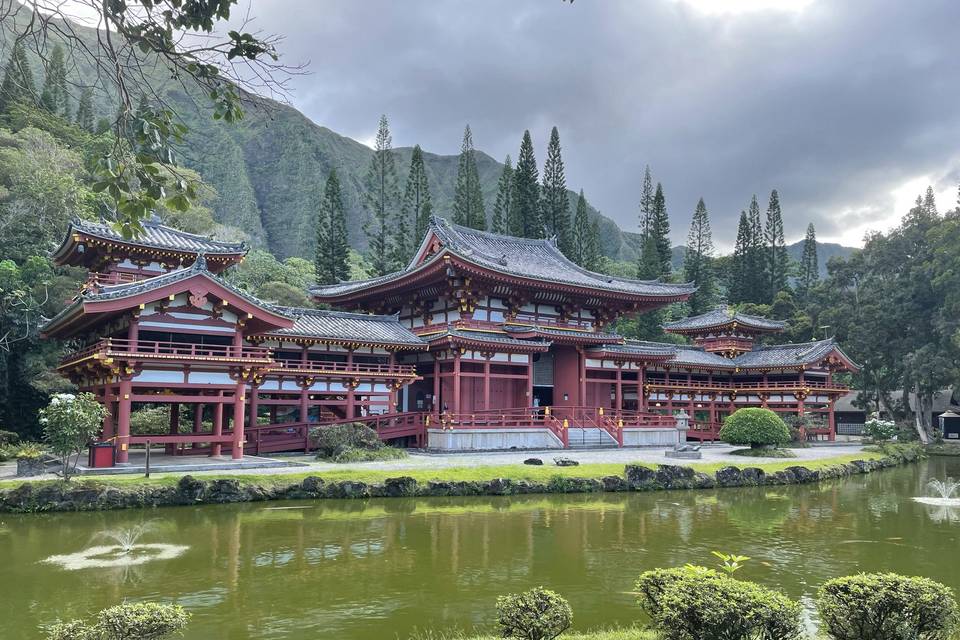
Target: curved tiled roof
518 257
722 316
338 325
696 357
787 355
490 337
638 348
556 332
154 235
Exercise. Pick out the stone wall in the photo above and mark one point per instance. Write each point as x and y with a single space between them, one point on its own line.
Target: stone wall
491 439
41 497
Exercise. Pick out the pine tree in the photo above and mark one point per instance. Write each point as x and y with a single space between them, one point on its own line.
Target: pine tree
417 205
648 266
582 235
646 201
331 264
468 208
501 208
55 97
738 287
380 199
554 204
660 232
777 259
755 285
594 256
698 260
18 83
84 117
809 269
524 220
930 203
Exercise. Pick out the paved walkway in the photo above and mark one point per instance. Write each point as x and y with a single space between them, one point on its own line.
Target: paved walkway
424 461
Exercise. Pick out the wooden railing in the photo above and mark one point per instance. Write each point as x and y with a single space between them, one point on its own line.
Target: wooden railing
115 277
702 431
370 368
746 386
290 436
152 349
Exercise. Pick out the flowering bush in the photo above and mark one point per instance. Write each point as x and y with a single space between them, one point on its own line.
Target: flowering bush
880 430
69 423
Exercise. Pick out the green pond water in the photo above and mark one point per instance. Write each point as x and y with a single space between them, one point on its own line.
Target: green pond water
382 568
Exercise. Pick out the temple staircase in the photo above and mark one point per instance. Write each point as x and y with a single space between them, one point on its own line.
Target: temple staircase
590 438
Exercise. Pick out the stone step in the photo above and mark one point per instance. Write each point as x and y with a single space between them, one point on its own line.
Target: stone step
589 438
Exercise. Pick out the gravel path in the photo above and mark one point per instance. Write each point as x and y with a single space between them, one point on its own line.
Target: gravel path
425 461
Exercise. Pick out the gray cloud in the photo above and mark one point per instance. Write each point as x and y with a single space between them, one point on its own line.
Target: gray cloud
836 105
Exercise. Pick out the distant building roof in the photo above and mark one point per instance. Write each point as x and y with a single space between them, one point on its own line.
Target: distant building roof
155 236
723 316
786 355
636 349
484 338
339 326
518 257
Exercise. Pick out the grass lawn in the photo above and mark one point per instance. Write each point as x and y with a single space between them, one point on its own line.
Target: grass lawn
452 474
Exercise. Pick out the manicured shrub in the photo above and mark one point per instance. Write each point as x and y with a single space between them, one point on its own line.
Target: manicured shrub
696 603
128 621
69 423
353 454
336 439
538 614
755 427
886 606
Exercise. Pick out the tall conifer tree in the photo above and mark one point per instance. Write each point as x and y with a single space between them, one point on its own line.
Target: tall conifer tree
525 205
698 260
18 82
809 269
380 200
582 236
660 231
646 201
756 285
468 208
777 261
740 275
84 117
333 254
54 97
417 205
594 257
501 208
554 204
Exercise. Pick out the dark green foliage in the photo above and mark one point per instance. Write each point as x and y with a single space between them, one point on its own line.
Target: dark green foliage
128 621
8 438
54 97
18 81
809 269
646 202
655 251
755 427
886 606
696 603
777 260
585 240
84 117
380 199
356 454
331 263
417 204
336 439
150 420
698 261
554 204
537 614
524 220
739 278
501 208
468 209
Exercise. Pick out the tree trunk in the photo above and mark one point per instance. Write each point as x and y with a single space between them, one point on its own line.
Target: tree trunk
918 413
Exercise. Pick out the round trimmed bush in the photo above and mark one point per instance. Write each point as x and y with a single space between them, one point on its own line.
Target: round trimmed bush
538 614
696 603
886 606
128 621
755 427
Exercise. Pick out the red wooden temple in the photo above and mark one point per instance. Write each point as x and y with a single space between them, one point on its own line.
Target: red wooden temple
482 342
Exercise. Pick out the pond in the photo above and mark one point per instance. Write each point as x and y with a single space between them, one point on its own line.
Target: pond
382 568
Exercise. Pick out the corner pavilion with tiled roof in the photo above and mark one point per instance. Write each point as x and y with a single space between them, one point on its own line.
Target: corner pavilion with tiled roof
483 341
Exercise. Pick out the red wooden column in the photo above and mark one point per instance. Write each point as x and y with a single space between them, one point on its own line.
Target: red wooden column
351 394
833 422
486 382
618 395
197 422
174 428
456 381
582 375
254 404
108 424
123 420
392 363
529 379
239 405
641 383
215 449
436 385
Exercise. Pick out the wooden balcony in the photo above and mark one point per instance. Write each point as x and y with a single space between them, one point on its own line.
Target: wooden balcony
364 369
140 350
810 386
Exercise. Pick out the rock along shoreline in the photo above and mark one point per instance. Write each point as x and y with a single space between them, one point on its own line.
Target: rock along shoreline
190 490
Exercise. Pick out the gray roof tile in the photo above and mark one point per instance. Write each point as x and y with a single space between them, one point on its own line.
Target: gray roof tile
337 325
637 348
160 236
723 315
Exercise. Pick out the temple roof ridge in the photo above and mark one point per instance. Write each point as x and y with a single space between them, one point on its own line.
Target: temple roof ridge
722 315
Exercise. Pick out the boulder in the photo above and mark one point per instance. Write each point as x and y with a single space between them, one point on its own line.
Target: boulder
729 477
565 462
703 481
226 490
499 487
189 490
802 474
312 486
640 478
402 487
614 483
348 489
533 461
671 476
753 475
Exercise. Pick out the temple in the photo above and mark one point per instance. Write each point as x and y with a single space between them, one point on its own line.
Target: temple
482 342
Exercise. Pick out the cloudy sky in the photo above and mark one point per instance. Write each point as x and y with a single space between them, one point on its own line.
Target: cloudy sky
848 107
